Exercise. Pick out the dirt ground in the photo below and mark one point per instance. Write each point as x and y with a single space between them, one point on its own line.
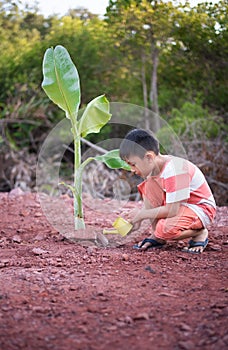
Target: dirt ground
62 295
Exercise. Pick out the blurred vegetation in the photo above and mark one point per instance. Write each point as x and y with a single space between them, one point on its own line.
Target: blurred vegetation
152 54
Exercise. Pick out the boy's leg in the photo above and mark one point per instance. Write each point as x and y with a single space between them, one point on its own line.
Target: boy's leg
148 205
146 245
185 225
197 236
153 197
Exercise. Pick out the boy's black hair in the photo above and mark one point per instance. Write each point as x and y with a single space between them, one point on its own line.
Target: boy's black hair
137 142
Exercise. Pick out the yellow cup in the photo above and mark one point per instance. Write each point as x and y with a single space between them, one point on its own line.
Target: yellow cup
121 227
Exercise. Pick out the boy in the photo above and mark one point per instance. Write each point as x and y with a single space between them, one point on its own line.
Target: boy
176 196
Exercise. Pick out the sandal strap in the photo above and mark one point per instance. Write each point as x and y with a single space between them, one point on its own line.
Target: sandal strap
152 241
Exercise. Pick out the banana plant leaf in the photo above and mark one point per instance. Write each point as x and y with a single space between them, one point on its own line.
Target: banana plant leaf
113 160
95 116
61 80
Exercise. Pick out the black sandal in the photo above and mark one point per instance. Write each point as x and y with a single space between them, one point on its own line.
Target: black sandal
153 244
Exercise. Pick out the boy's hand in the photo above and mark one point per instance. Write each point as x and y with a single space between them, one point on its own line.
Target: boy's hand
136 226
135 217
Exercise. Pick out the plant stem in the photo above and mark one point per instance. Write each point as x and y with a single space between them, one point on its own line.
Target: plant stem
78 209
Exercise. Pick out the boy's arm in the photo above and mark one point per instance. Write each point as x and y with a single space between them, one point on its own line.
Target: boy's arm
166 211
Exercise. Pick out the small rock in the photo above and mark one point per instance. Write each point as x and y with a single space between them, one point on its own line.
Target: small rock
128 320
18 316
16 239
104 259
24 213
15 192
27 265
4 263
37 215
103 298
40 237
91 250
100 292
125 257
38 309
92 309
111 328
186 345
164 294
215 247
185 327
3 196
83 329
73 287
148 268
183 256
39 251
225 339
120 324
6 308
142 316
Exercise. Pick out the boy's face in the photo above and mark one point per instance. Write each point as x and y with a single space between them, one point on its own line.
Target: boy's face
142 166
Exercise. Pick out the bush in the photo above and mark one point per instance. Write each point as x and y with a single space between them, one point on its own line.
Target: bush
192 121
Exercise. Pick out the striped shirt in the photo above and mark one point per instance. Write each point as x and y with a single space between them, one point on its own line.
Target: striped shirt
181 180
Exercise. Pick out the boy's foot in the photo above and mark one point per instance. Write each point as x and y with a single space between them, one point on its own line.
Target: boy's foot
148 243
198 244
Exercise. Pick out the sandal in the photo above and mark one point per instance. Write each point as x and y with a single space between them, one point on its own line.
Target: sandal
153 244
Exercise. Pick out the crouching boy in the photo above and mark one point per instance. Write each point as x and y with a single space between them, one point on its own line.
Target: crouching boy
177 198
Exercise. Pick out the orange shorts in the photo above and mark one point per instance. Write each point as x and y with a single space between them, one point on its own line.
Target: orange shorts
171 228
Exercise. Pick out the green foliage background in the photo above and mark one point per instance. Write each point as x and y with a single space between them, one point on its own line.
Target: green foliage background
111 54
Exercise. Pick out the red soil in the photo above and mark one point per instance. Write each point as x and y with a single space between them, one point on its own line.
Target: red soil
63 295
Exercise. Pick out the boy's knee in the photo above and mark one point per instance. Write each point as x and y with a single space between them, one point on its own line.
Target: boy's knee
165 231
159 230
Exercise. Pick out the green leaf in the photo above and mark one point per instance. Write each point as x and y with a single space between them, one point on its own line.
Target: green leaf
61 80
69 187
113 160
95 116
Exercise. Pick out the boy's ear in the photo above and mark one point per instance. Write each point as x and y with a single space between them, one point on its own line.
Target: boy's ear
150 155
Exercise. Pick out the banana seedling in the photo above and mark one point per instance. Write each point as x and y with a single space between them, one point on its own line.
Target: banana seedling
61 83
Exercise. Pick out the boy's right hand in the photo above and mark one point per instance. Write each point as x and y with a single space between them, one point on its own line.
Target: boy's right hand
130 218
136 226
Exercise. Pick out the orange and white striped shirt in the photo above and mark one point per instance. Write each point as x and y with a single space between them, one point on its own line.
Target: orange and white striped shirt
181 180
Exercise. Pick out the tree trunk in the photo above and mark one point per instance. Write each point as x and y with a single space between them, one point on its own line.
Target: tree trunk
145 93
153 88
